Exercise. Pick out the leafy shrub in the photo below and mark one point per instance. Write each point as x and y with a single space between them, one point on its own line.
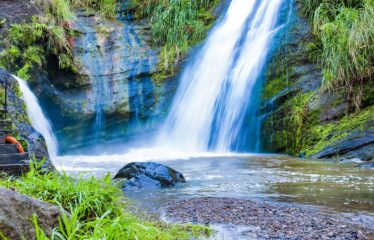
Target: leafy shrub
348 49
175 25
27 46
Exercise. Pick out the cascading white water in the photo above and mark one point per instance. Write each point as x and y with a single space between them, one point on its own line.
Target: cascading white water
213 98
215 90
37 117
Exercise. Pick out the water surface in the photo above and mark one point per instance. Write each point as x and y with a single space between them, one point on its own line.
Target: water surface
340 188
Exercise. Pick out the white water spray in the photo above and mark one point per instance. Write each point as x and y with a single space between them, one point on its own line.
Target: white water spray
211 102
37 117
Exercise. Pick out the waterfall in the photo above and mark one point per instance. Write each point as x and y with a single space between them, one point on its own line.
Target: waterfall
37 117
219 85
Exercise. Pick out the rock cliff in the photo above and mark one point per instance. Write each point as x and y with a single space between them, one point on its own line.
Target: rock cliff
299 117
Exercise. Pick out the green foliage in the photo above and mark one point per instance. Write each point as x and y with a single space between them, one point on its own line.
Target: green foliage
95 209
301 132
28 45
309 6
58 10
175 25
62 10
345 31
106 8
104 29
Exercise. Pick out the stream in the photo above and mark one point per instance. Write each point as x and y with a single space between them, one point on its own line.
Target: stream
331 187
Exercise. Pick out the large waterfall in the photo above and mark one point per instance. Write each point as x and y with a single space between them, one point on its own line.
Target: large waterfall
216 104
218 86
37 117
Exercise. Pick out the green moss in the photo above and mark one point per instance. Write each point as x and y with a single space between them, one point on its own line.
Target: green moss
300 131
275 86
295 111
321 136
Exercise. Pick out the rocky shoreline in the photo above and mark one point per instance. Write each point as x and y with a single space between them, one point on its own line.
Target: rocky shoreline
264 220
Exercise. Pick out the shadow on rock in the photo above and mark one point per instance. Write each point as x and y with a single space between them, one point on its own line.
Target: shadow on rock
148 175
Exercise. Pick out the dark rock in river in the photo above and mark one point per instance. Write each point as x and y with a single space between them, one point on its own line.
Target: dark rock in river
16 215
149 175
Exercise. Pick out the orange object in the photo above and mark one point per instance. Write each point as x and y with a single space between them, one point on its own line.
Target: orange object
12 140
71 42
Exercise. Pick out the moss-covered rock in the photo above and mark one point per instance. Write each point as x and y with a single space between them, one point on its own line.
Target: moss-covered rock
302 119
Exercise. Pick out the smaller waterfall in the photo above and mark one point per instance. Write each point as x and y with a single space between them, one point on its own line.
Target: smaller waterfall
37 117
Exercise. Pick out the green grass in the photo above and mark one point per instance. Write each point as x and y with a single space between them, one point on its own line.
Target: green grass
63 10
176 25
96 209
345 36
106 8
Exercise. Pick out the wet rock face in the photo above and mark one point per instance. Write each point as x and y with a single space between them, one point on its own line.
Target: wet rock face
290 73
293 106
357 145
16 11
148 175
32 140
114 86
16 215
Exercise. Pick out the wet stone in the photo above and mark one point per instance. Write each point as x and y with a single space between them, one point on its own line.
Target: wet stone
148 175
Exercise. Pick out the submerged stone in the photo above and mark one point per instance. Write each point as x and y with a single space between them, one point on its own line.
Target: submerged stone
149 175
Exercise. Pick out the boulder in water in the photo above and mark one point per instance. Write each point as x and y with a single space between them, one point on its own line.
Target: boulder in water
149 175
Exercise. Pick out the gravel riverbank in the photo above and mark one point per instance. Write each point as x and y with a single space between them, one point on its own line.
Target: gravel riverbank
265 220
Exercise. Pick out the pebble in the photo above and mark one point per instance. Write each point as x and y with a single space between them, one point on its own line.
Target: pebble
266 220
